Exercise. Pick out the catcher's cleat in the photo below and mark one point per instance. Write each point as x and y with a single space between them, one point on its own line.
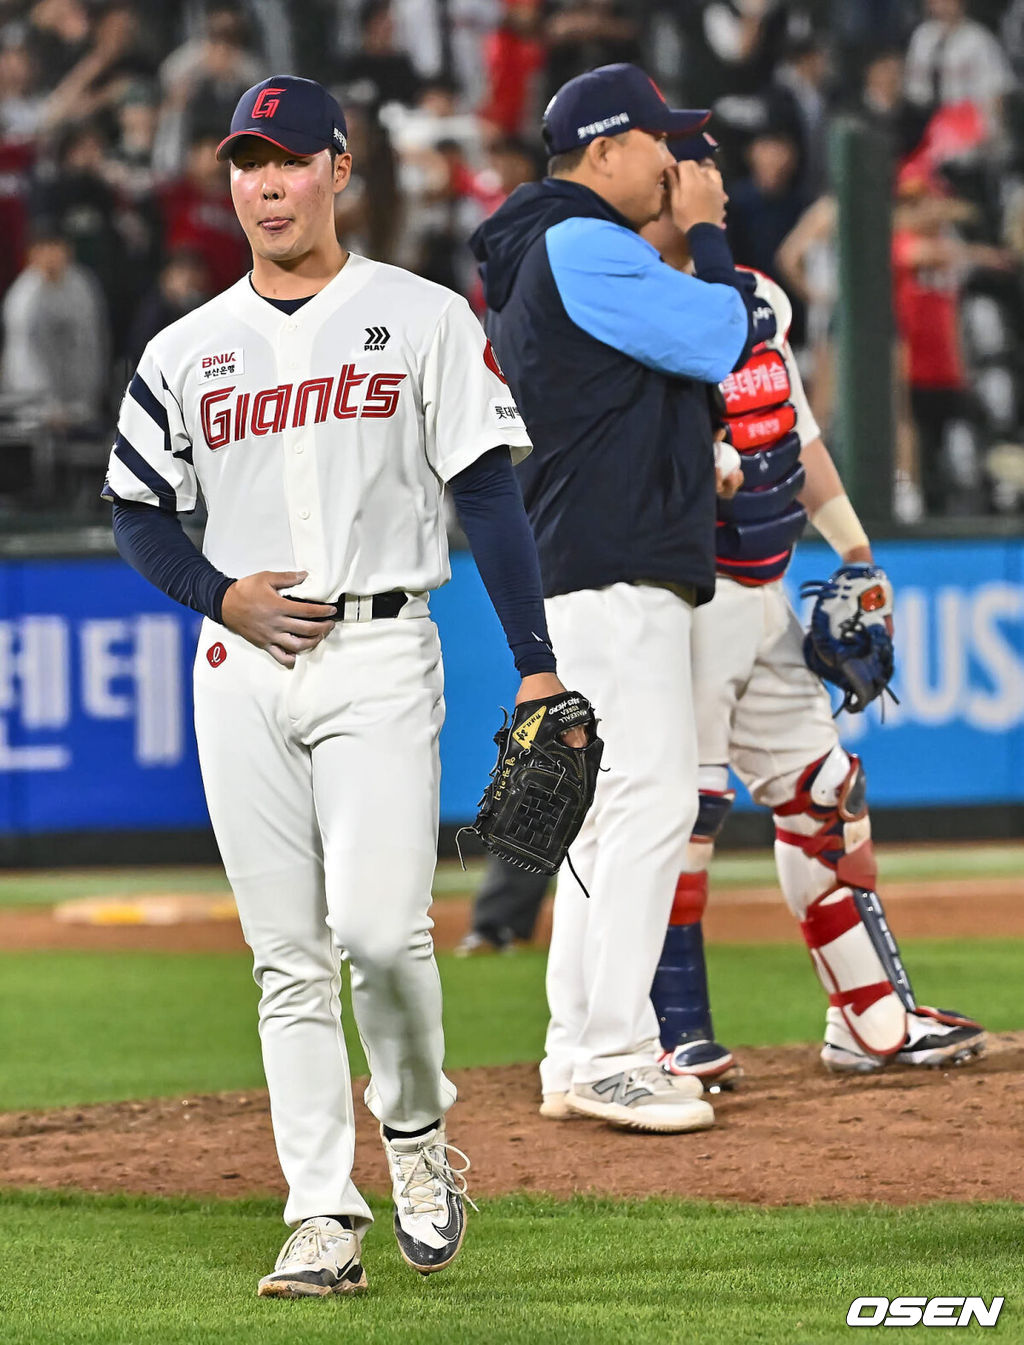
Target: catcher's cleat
430 1219
702 1058
644 1099
935 1038
321 1257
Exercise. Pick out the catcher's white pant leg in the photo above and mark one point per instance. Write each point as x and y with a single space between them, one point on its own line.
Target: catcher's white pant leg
628 648
783 721
758 706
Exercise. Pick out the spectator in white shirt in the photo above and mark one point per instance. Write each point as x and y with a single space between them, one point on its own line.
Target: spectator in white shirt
953 59
55 338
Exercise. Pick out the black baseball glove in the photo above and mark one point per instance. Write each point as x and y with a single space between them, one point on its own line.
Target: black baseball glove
540 788
849 642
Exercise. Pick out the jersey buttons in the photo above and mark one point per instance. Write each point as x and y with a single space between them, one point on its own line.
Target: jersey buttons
303 514
300 447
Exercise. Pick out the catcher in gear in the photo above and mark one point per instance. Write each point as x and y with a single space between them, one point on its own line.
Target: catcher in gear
762 710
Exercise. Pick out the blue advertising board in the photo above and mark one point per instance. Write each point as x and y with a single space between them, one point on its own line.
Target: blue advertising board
95 689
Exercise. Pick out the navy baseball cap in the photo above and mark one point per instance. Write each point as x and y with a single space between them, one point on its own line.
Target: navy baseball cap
295 114
699 146
608 101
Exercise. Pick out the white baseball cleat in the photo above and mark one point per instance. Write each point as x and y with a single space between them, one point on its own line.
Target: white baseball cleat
321 1257
430 1218
645 1098
935 1037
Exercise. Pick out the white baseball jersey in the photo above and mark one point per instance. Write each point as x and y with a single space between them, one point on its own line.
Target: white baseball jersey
321 440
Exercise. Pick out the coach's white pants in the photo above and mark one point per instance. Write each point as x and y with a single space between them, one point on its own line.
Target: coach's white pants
322 783
627 648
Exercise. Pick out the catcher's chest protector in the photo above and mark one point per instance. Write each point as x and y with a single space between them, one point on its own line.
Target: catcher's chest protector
758 528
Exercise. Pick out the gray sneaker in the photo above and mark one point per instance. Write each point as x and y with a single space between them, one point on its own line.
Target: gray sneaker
645 1098
321 1257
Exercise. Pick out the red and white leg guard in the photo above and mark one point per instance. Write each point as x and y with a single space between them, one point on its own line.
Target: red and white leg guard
823 854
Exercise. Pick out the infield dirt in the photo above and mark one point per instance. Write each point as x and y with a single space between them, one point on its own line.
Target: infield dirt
788 1134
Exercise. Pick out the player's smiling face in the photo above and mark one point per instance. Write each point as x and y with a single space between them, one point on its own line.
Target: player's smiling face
285 201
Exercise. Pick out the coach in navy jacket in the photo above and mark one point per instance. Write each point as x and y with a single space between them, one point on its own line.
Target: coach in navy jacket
612 380
609 353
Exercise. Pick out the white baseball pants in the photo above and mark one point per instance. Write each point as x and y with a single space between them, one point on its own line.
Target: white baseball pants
627 648
322 783
758 706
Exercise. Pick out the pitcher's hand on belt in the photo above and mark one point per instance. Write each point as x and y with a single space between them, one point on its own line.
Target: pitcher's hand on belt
254 608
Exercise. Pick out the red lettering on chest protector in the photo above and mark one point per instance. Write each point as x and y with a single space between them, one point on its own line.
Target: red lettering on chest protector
227 417
763 382
760 427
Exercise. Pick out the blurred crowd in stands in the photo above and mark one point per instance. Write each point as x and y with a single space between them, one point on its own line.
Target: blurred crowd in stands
116 216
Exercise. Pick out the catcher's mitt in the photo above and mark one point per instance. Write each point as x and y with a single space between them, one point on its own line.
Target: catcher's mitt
540 788
849 642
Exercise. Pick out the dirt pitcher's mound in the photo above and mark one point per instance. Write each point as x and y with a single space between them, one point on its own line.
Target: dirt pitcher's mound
790 1134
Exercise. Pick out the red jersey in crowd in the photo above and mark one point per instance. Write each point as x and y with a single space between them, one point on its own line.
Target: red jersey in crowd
925 302
202 222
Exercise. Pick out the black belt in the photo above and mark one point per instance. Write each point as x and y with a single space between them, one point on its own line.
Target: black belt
352 607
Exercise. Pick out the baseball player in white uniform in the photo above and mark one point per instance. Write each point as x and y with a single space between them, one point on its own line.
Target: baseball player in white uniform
321 405
760 710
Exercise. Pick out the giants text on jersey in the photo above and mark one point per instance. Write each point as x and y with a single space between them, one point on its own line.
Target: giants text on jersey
287 421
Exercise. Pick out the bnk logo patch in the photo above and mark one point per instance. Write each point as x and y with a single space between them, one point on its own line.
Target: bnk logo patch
224 364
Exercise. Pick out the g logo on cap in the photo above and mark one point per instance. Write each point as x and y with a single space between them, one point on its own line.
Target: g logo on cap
267 103
306 117
216 654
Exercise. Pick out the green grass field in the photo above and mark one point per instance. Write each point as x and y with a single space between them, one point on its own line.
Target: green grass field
77 1027
46 887
95 1027
181 1273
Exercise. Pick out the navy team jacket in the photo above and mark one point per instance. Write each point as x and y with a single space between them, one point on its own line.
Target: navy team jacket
608 352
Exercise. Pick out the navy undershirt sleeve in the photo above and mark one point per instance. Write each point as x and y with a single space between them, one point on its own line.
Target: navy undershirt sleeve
491 512
153 542
712 261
